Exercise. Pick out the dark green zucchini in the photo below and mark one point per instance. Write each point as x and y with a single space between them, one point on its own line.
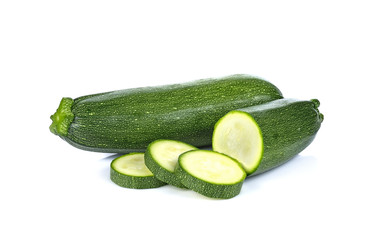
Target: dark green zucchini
128 120
265 136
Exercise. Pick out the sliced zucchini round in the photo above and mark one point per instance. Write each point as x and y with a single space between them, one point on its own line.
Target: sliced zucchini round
130 171
238 135
210 173
161 158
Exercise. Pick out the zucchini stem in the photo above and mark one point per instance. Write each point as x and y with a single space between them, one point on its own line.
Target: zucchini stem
316 106
62 118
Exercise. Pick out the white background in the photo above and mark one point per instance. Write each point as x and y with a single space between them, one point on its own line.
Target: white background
330 50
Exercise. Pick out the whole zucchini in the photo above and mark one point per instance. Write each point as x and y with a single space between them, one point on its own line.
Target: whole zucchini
128 120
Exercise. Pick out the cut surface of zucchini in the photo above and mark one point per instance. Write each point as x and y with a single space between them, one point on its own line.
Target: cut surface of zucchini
130 171
210 173
238 135
161 158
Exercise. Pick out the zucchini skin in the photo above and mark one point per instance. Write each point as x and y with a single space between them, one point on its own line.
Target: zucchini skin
207 189
129 120
288 126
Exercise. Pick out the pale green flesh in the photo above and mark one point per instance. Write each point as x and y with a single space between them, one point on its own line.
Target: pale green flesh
132 165
166 152
212 167
239 136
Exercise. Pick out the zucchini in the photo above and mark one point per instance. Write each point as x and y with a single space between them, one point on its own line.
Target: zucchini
210 173
265 136
161 158
129 120
129 171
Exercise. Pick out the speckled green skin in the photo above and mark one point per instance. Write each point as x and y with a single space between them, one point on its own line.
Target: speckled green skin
134 182
288 126
128 120
208 189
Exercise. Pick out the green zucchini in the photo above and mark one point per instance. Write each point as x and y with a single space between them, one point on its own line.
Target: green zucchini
161 158
210 173
129 171
129 120
265 136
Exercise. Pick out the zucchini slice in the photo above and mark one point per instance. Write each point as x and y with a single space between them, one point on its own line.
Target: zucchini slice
129 171
239 136
210 173
161 158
